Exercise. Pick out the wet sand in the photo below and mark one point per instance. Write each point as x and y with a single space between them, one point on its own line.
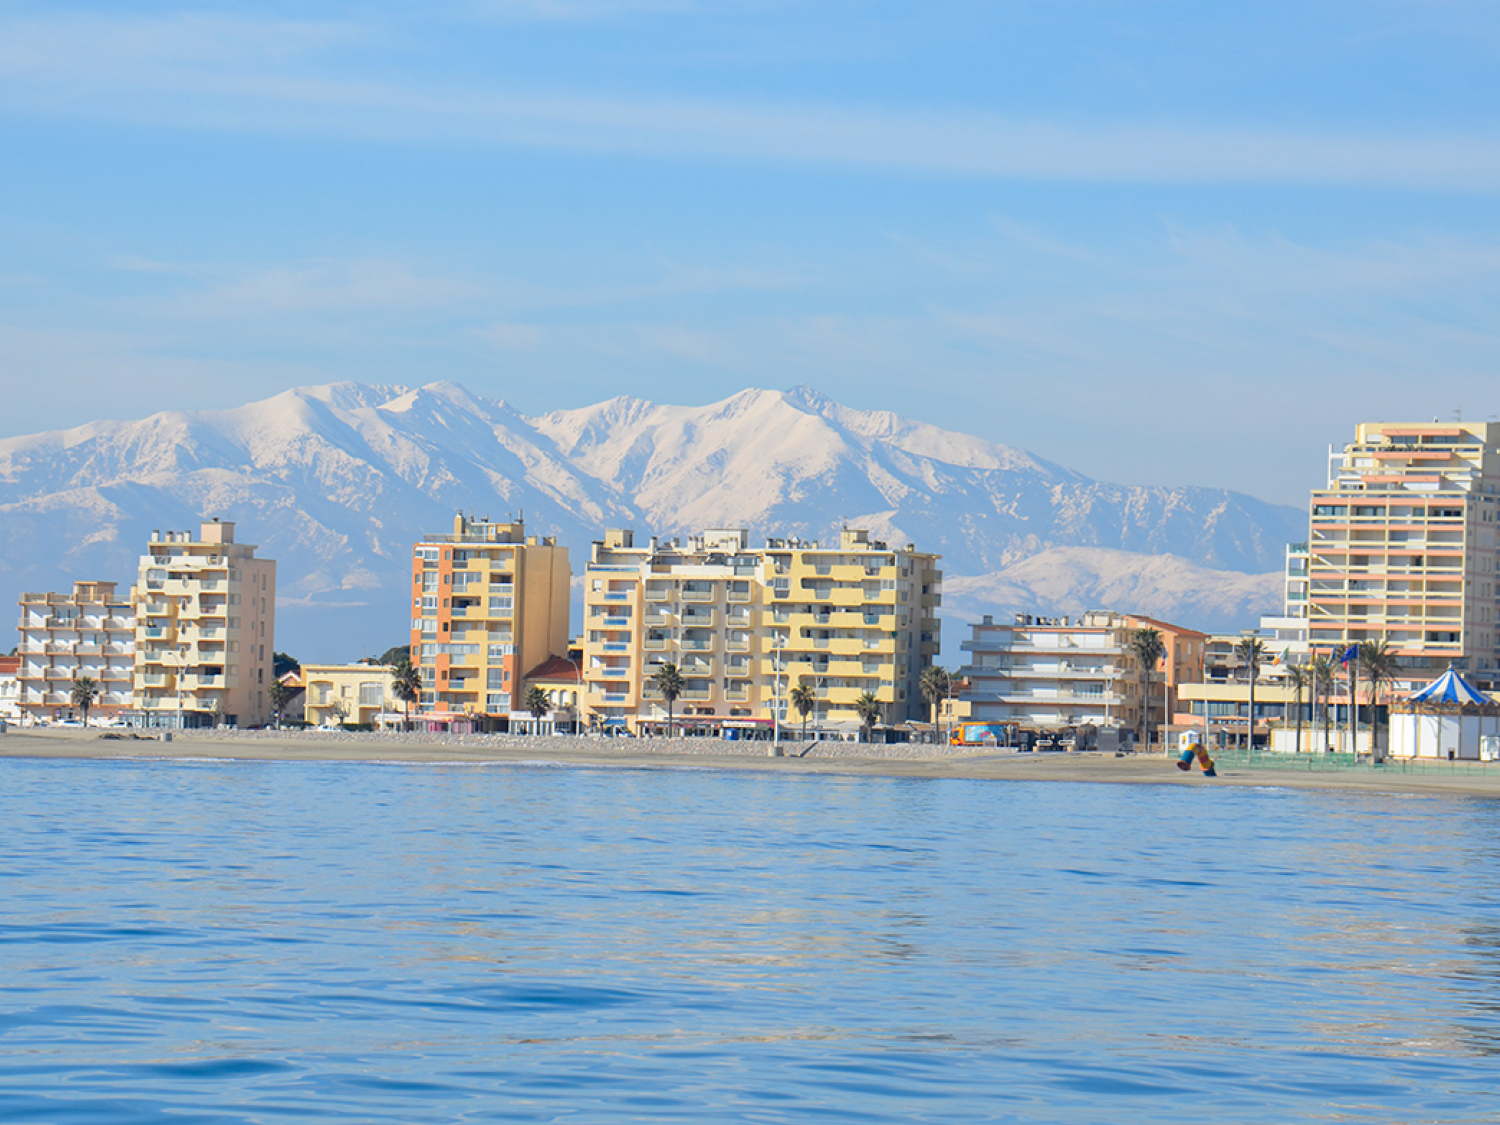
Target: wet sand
908 761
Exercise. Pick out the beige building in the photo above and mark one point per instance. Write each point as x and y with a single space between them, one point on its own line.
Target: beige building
488 604
745 626
1402 547
89 632
205 630
349 695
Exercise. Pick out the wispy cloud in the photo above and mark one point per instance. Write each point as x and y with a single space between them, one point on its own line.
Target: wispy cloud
206 72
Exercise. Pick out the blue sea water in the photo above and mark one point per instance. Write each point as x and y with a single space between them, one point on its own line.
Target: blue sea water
286 942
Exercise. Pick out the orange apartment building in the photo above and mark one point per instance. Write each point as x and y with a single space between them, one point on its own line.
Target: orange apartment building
1402 547
488 604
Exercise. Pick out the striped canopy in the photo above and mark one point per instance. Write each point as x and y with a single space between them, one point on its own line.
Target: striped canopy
1452 688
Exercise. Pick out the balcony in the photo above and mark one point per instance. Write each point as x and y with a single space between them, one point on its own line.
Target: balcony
696 644
701 695
658 595
697 595
658 619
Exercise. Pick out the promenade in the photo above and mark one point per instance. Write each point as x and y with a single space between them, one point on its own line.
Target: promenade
847 758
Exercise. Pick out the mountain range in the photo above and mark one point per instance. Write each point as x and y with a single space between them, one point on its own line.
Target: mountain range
336 482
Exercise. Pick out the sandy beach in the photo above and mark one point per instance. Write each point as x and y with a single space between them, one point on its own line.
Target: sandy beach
907 761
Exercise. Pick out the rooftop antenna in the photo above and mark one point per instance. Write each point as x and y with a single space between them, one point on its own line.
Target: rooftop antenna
1458 414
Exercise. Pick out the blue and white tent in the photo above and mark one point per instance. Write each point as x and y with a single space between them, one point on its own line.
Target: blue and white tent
1452 689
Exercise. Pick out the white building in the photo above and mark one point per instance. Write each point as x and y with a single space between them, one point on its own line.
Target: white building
64 637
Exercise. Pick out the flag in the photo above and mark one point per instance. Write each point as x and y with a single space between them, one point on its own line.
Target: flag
1350 653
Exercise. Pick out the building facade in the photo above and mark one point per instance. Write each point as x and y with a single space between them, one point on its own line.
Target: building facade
488 603
348 695
89 632
1402 547
1053 673
746 626
205 630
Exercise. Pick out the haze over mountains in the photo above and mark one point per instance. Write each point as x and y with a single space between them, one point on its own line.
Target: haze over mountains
336 482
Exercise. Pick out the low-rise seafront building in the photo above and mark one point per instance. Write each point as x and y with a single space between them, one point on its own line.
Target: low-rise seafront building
488 603
205 630
10 689
349 695
746 626
89 632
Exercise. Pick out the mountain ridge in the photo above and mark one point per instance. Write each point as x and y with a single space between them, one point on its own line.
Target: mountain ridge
336 481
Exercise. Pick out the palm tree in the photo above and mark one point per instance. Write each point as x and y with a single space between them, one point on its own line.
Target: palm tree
85 691
406 685
1323 677
1300 677
936 684
868 708
805 699
1251 651
669 682
537 702
1378 663
281 694
1148 649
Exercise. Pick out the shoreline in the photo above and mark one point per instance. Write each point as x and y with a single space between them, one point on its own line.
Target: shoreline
920 761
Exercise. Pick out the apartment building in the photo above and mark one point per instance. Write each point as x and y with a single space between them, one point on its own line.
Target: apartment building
1402 547
488 604
348 695
1048 674
205 630
1051 673
88 632
745 626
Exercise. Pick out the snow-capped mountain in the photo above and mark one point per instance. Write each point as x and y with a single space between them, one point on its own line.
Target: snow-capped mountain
336 482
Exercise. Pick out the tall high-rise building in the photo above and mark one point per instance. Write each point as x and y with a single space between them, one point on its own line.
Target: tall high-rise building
64 637
746 626
205 630
488 604
1402 547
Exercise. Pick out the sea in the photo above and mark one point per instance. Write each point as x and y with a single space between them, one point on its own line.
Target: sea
270 942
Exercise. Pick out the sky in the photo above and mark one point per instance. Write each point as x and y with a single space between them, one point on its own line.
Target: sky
1158 242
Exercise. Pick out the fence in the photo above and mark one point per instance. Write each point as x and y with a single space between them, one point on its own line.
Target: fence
1237 757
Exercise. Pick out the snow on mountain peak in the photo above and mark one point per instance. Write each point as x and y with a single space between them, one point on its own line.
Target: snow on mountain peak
340 479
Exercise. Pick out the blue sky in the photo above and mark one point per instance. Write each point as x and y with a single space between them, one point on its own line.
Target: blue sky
1158 242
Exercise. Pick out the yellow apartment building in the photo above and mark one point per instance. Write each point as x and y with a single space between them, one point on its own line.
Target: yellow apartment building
745 626
205 630
488 604
89 632
349 695
1402 547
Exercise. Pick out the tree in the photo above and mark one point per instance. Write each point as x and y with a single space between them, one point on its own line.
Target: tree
1299 678
1147 647
1378 664
669 682
936 685
537 702
406 685
869 710
1323 676
395 655
1251 651
281 664
281 694
805 699
85 691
